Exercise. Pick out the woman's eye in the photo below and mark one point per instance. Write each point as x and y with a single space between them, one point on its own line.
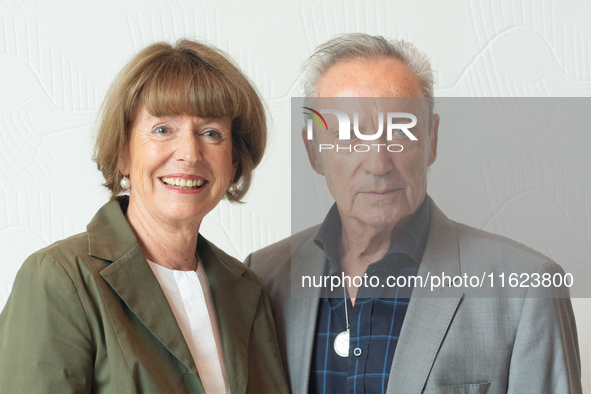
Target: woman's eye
399 132
161 130
213 134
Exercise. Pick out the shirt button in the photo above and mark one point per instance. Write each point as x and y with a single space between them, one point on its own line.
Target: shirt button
357 352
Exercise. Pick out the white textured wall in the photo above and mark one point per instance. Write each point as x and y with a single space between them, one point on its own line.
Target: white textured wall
57 59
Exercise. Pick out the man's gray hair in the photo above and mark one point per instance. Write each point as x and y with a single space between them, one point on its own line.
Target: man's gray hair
352 46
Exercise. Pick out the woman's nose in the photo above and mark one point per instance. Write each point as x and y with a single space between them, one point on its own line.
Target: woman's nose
188 149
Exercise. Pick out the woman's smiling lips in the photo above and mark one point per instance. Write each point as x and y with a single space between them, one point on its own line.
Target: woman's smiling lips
183 183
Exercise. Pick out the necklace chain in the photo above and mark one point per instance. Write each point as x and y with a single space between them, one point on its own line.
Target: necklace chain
344 292
341 342
346 306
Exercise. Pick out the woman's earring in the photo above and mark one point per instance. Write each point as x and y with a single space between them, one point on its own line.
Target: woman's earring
125 182
232 188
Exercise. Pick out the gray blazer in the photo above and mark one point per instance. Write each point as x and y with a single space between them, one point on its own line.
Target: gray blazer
449 343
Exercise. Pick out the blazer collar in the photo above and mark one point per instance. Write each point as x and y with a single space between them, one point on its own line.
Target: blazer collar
109 234
111 239
429 314
301 313
236 301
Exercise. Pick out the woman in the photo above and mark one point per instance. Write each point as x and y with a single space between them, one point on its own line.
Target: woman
141 302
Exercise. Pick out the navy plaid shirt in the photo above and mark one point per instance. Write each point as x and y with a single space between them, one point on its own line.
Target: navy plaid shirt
375 323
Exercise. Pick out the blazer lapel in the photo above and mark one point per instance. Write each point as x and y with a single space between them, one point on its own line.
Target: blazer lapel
130 276
429 314
235 315
301 314
134 282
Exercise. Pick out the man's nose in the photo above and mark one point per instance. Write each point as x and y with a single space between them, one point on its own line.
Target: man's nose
189 149
378 160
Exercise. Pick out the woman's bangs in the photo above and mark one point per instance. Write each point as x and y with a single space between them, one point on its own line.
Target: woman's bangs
191 89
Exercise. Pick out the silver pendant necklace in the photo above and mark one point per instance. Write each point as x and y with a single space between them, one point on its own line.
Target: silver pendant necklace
341 342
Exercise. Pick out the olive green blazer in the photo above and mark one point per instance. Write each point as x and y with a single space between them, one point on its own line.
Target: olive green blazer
87 314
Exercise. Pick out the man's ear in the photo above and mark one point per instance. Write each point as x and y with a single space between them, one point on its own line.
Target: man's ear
434 136
312 154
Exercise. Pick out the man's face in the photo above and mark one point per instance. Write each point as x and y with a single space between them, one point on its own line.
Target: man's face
381 189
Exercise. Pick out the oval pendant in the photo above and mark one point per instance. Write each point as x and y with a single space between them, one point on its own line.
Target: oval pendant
341 344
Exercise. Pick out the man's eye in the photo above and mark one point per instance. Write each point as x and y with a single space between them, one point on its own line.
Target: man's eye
352 136
161 130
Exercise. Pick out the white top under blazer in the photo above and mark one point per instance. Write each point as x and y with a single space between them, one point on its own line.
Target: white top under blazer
189 297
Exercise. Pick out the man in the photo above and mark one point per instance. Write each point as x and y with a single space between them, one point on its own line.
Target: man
445 340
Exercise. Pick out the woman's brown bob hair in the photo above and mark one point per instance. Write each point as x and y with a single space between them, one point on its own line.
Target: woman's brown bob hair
186 78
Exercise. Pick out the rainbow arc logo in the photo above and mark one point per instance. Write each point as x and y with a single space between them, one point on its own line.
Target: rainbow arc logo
315 117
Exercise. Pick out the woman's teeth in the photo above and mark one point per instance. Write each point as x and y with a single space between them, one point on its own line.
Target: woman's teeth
182 183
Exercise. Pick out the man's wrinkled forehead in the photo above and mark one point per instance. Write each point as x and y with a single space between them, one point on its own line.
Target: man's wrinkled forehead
370 105
377 77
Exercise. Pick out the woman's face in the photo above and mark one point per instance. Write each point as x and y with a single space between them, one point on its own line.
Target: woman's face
180 166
